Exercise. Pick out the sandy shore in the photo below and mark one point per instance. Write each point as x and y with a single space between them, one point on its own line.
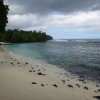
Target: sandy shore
21 79
4 43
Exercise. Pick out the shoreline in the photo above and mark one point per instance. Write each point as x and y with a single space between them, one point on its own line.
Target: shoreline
33 81
44 63
4 43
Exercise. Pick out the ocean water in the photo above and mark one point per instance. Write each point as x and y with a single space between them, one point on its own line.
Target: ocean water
80 57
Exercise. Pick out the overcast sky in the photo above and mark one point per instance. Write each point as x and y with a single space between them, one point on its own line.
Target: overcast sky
61 19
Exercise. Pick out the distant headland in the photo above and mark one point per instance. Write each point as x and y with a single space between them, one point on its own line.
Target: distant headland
21 36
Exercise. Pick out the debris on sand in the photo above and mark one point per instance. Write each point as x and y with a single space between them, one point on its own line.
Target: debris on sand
26 63
34 83
42 84
55 85
78 85
41 73
30 70
70 86
34 71
97 97
86 88
98 90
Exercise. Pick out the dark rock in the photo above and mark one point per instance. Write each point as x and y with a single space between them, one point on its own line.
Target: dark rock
95 91
78 85
40 73
98 90
86 88
42 84
30 70
34 83
82 80
97 97
11 62
70 86
55 85
33 70
39 70
26 63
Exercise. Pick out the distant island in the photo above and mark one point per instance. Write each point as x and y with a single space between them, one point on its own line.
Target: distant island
15 35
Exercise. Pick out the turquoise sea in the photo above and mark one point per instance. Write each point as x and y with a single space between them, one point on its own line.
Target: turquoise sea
80 57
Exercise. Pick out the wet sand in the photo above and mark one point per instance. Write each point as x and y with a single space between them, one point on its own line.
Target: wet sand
22 79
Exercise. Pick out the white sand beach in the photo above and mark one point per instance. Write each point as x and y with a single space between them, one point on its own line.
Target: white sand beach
21 79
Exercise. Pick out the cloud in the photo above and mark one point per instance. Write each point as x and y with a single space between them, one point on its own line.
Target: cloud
55 16
88 21
43 7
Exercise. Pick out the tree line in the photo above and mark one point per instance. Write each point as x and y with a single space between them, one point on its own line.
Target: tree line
25 36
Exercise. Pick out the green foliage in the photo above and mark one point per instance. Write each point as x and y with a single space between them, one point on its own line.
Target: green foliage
3 16
2 37
25 36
